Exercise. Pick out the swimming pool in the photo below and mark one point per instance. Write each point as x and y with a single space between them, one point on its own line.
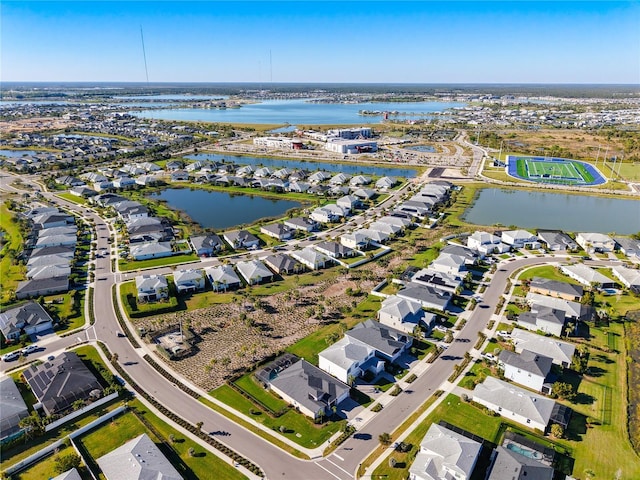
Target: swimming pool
514 447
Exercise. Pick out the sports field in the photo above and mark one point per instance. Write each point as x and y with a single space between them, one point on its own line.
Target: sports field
553 170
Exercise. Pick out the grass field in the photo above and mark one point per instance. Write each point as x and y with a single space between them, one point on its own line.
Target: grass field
567 172
10 273
127 266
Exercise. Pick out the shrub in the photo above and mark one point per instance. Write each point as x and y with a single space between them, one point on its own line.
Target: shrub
377 407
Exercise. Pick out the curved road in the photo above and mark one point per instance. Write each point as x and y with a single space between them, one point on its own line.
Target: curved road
276 463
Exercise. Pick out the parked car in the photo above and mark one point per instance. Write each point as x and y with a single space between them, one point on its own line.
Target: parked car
7 357
504 333
29 348
489 356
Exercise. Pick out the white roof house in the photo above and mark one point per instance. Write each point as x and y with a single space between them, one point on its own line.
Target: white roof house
630 277
346 358
254 272
514 403
189 280
399 221
587 275
595 242
571 309
386 183
143 251
49 271
520 239
311 258
322 215
152 287
560 352
486 243
222 277
138 459
386 228
444 454
356 240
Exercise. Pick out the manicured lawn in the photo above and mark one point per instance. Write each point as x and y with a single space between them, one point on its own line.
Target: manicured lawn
112 434
11 273
547 271
127 266
298 427
73 198
45 468
476 375
137 309
249 385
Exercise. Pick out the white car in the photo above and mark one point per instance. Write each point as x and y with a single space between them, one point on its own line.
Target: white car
504 333
30 348
7 357
489 356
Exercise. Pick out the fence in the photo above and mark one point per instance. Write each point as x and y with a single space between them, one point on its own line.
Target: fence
80 411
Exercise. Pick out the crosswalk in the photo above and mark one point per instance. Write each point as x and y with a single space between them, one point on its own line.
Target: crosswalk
333 466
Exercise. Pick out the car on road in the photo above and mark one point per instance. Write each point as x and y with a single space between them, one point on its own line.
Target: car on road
7 357
29 348
119 333
50 357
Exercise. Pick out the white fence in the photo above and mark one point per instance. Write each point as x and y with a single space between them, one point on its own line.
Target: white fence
81 411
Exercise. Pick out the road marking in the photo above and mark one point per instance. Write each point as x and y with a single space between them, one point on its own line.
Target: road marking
328 471
338 466
338 456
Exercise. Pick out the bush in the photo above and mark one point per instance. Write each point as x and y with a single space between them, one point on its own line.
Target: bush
392 462
66 462
377 407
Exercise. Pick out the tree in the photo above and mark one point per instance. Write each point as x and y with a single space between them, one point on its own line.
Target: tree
557 431
564 391
199 425
66 462
384 439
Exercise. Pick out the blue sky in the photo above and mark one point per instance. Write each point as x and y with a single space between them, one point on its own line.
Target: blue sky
372 41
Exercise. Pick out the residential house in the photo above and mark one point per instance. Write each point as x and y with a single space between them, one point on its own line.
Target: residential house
311 258
439 280
359 180
555 288
254 272
426 296
58 383
595 242
386 183
146 180
138 459
37 288
561 353
83 191
188 281
301 223
486 243
387 229
356 240
281 263
364 193
544 319
123 182
404 315
401 222
298 187
145 251
374 235
587 276
68 239
206 245
348 203
66 251
339 179
223 277
151 288
445 454
335 250
12 408
179 176
572 310
47 260
277 230
520 405
241 239
173 165
319 177
557 241
508 464
48 271
520 239
309 389
29 318
629 277
629 246
527 368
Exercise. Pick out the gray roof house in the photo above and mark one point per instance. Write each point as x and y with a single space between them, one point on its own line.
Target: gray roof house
29 318
629 277
254 272
426 296
48 271
68 239
335 249
12 407
554 288
587 275
301 223
388 342
310 389
572 310
223 277
277 230
629 246
144 251
60 382
445 454
241 239
138 459
545 319
511 465
68 475
519 405
440 280
151 288
46 286
206 244
384 183
557 241
67 251
528 369
561 353
47 260
404 314
281 263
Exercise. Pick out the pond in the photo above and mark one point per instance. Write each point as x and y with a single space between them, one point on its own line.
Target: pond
572 213
351 169
221 210
303 112
18 153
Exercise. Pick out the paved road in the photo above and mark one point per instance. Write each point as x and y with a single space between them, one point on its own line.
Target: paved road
276 463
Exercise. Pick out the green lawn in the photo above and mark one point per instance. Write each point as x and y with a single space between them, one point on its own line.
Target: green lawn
297 426
45 468
547 271
137 309
127 266
112 434
11 272
73 198
249 385
476 375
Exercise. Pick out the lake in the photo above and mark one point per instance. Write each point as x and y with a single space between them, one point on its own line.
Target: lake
221 210
572 213
301 112
351 169
18 153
